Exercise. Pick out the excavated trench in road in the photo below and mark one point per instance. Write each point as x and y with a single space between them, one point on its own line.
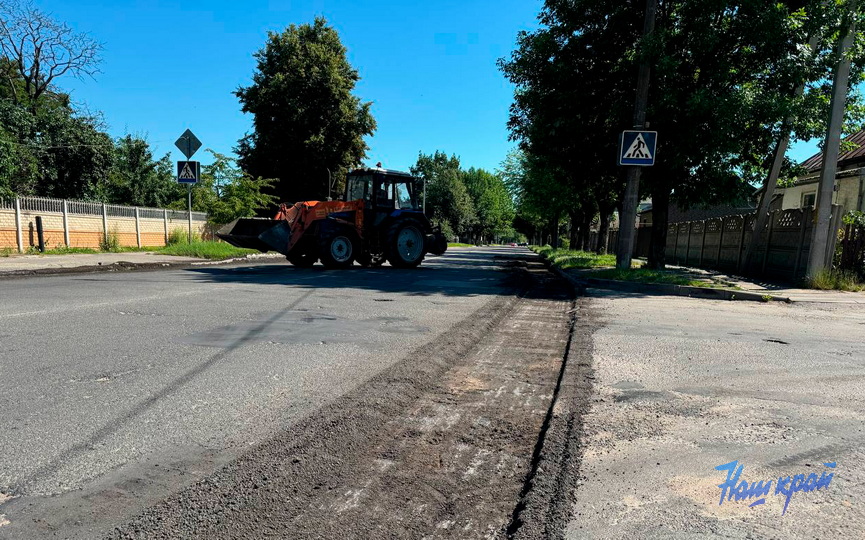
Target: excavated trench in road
441 445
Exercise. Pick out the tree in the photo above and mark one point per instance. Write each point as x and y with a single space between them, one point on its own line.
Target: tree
308 126
448 203
226 193
136 178
40 50
723 80
492 201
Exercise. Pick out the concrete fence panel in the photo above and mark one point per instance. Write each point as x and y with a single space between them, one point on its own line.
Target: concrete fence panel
84 224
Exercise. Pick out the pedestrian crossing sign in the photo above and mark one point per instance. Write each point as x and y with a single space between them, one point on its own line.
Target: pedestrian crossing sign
188 172
638 148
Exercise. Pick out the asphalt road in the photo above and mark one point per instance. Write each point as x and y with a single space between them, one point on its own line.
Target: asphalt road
683 385
117 390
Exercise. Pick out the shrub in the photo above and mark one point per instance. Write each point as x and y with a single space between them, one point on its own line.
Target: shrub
110 242
181 236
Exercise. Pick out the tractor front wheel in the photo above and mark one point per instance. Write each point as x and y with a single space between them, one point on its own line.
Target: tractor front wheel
338 250
405 243
302 258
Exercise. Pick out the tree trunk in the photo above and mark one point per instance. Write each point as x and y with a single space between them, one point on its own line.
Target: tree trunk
575 230
603 230
554 241
585 232
660 215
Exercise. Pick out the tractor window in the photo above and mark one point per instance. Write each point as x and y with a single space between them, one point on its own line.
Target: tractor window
403 197
359 187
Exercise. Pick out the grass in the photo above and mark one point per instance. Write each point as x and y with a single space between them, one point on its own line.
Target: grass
205 250
459 244
565 258
835 280
645 275
603 267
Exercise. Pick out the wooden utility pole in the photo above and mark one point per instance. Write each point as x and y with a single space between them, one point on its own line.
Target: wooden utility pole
818 258
627 221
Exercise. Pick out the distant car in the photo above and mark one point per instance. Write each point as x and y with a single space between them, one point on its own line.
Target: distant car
513 244
523 244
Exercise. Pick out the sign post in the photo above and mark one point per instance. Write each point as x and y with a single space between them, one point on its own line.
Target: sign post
188 172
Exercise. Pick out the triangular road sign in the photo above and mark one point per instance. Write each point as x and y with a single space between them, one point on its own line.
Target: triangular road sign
638 149
186 173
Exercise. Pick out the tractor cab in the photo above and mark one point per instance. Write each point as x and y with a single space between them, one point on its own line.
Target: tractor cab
382 190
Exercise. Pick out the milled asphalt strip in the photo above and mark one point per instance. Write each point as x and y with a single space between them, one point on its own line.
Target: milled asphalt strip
111 428
260 493
546 502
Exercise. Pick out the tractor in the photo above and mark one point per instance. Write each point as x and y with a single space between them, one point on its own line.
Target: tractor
378 220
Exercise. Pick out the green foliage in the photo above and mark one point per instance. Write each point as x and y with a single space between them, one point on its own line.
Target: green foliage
181 236
448 201
110 242
645 275
493 204
226 193
137 179
64 250
205 250
565 258
834 279
855 218
306 119
52 151
723 75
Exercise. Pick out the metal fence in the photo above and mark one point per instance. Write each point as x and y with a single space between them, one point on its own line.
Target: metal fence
46 204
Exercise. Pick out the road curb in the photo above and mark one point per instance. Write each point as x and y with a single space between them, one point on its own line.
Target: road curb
126 266
664 289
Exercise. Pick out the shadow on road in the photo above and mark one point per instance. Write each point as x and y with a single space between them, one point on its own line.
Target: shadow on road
476 272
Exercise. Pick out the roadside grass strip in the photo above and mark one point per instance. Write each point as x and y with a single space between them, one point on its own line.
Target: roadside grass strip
566 259
644 275
206 250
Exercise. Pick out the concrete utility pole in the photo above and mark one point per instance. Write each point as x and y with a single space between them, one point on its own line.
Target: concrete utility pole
627 221
818 258
774 173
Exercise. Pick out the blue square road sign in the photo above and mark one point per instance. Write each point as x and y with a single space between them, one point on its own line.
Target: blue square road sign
188 172
638 148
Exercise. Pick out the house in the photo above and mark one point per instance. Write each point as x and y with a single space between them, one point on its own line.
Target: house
849 180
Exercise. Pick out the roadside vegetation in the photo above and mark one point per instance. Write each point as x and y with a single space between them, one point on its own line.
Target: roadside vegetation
459 244
204 249
566 259
602 266
837 280
646 275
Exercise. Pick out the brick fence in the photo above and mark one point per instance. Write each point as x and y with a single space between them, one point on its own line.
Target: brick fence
85 224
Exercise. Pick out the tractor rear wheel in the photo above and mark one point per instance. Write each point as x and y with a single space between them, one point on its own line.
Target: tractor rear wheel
337 250
405 243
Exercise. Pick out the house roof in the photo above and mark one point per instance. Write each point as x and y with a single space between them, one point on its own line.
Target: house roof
855 156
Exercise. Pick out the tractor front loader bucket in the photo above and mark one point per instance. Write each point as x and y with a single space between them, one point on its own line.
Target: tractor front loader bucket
257 233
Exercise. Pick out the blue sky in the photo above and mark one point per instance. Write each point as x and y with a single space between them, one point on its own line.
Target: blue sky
429 68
